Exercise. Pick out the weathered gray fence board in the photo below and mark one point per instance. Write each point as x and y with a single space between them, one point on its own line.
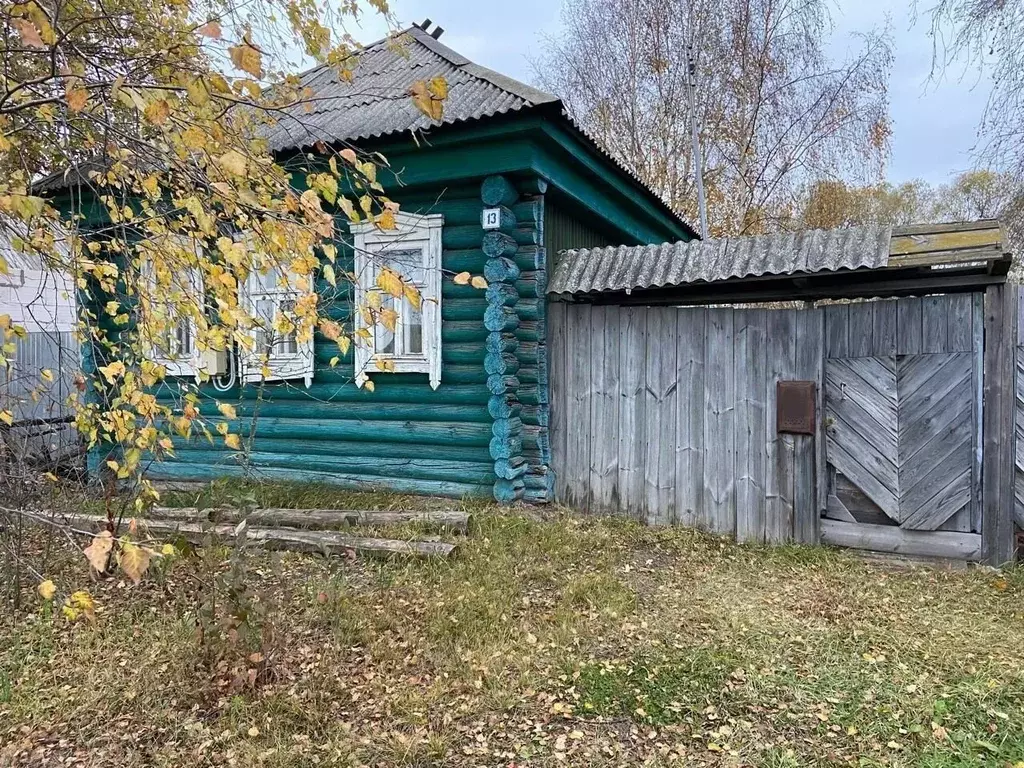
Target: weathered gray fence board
660 413
558 382
719 435
909 333
977 372
861 330
691 328
884 327
837 325
669 414
632 426
604 364
750 366
935 312
578 398
809 487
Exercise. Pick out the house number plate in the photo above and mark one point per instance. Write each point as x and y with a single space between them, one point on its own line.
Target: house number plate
491 218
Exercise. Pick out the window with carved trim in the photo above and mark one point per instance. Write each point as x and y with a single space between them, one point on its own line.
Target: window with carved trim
170 305
279 353
402 333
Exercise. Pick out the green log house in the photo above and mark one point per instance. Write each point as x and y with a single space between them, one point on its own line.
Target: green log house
465 413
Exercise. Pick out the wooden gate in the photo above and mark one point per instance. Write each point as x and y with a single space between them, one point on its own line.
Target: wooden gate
903 426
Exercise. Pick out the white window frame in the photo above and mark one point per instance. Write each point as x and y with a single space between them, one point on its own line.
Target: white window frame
371 245
281 365
175 364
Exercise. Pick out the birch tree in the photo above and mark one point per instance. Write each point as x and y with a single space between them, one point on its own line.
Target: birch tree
774 111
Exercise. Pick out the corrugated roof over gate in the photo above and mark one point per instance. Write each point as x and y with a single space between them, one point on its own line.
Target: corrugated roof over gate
652 266
621 268
375 102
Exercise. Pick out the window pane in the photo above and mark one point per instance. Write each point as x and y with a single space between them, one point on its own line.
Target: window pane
412 323
287 344
384 339
183 338
265 319
407 262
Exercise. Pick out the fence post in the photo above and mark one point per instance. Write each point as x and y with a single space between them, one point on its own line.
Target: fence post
999 433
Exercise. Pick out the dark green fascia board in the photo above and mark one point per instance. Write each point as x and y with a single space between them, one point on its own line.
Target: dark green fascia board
567 150
535 143
538 142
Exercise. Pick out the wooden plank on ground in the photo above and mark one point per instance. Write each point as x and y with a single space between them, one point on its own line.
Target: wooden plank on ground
321 542
314 518
890 538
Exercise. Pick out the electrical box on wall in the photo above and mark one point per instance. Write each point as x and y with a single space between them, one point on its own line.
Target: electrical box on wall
214 362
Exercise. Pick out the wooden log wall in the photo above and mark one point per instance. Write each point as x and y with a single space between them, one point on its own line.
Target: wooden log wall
483 432
668 415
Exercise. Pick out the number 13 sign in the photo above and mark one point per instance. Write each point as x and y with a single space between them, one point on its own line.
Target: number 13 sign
491 218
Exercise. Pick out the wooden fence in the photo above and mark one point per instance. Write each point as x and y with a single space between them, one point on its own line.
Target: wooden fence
669 415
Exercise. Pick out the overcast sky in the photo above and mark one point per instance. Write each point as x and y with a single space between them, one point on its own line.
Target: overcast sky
934 123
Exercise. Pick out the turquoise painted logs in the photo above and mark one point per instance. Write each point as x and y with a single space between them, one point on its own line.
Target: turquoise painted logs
499 318
503 294
497 190
425 433
510 469
530 286
505 447
526 257
501 342
501 269
394 388
503 406
511 427
417 468
337 448
382 410
508 491
499 244
499 384
459 213
471 237
505 364
455 490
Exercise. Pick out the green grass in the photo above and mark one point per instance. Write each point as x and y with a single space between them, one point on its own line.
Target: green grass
552 639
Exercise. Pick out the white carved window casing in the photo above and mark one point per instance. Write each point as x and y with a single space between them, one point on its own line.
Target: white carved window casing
270 299
413 251
169 332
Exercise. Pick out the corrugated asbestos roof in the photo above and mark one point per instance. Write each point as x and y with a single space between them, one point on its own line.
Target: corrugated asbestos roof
376 102
617 268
